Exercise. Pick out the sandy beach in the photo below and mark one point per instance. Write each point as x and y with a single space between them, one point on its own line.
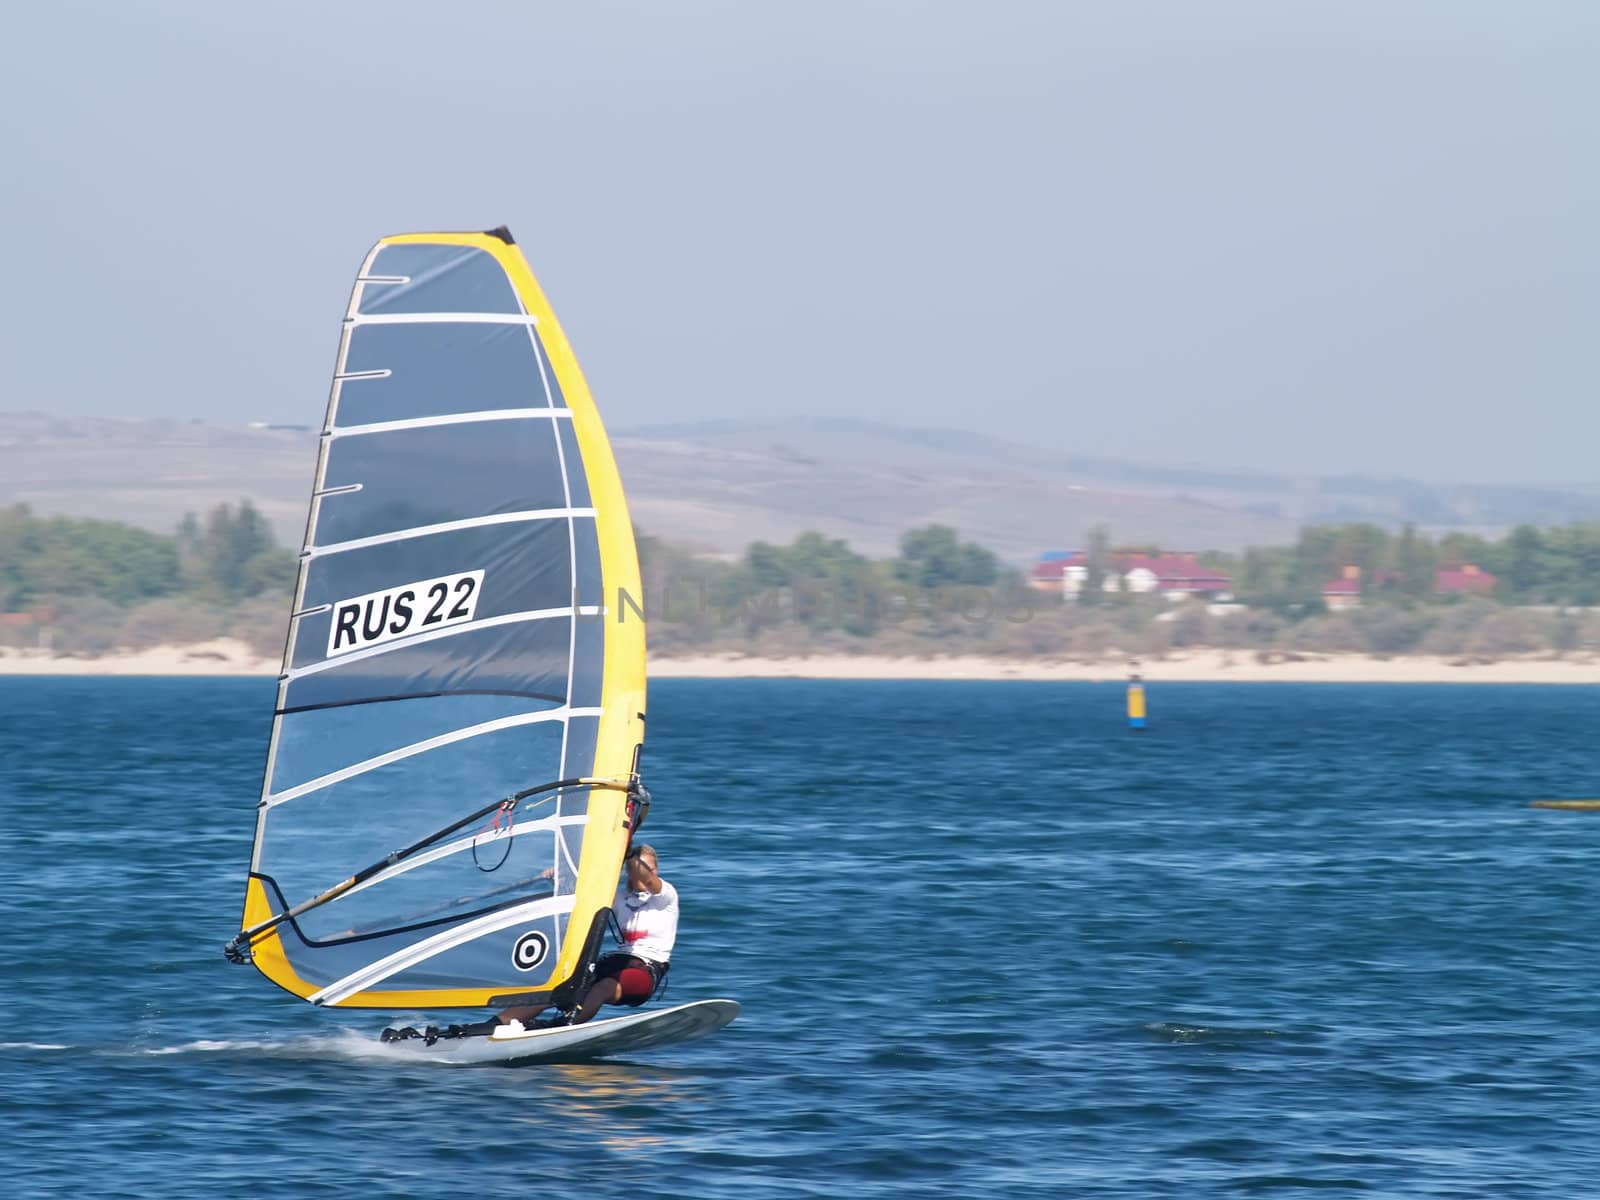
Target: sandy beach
221 656
226 656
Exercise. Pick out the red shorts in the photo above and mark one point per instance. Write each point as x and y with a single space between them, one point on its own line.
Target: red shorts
637 976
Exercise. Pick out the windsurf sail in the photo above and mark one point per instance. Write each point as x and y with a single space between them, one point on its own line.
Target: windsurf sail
452 777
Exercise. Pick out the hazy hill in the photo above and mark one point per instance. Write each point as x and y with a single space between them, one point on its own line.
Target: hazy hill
149 473
719 485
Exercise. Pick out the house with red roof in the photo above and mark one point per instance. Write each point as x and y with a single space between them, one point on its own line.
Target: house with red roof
1174 576
1345 591
1468 579
1049 574
13 625
39 616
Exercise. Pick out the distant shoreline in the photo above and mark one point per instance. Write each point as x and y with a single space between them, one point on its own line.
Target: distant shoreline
228 657
1210 666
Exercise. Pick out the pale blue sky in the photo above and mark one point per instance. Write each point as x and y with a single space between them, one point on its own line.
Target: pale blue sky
1320 237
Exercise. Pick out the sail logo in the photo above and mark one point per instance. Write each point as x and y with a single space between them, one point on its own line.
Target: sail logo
398 612
529 951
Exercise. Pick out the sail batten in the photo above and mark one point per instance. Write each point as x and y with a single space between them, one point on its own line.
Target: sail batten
450 643
443 318
501 414
422 531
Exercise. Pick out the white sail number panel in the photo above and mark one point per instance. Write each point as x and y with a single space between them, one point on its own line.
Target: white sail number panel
398 612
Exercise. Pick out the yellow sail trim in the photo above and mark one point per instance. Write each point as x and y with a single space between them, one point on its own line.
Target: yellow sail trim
267 953
268 956
622 697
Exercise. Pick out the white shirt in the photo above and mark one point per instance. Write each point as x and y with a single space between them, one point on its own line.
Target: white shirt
649 923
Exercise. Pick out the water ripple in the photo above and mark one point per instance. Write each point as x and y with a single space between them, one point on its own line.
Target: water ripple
988 942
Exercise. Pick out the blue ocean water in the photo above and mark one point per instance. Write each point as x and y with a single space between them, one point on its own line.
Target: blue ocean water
989 942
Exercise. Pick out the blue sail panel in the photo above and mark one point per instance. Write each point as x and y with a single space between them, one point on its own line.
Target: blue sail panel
422 278
403 372
436 475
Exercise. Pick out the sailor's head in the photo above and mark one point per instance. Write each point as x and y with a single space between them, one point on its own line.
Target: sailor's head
642 863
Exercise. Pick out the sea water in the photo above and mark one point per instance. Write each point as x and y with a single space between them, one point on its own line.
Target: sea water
989 942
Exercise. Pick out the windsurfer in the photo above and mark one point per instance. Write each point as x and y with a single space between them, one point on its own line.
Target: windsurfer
646 909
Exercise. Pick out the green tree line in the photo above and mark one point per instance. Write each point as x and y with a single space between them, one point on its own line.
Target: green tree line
818 595
1556 566
108 585
101 584
815 584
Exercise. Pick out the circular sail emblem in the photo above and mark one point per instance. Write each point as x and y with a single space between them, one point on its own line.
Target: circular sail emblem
529 951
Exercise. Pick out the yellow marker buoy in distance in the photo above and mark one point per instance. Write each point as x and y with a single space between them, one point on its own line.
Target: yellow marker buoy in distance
1135 698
